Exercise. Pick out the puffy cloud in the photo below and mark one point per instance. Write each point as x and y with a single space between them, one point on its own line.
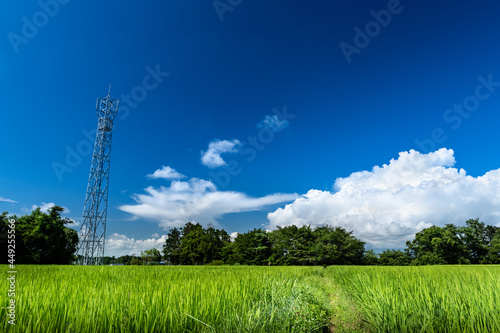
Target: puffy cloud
166 172
73 224
196 200
389 204
273 123
44 207
2 199
212 159
120 245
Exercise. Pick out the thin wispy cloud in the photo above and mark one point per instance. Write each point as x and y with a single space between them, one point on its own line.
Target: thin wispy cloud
196 200
273 123
212 159
2 199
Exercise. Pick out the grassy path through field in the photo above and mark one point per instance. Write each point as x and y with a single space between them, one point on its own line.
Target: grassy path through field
418 299
344 316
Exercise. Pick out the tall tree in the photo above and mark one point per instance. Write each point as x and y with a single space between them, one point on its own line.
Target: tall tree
215 240
193 244
172 247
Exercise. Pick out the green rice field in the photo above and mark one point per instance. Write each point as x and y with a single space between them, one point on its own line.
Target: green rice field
254 299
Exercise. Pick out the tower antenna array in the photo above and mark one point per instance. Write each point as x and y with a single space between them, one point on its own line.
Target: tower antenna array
93 227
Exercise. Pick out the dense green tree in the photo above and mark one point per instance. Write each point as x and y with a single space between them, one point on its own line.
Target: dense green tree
136 261
305 239
475 242
200 246
43 238
472 243
370 258
394 258
477 238
215 240
151 256
422 245
322 246
228 253
126 259
108 260
451 247
172 247
3 219
438 245
252 248
336 246
291 245
494 250
188 227
193 244
4 222
428 258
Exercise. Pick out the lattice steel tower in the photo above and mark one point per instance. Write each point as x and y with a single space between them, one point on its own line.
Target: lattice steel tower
93 228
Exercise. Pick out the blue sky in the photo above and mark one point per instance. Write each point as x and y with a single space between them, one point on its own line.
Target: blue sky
231 67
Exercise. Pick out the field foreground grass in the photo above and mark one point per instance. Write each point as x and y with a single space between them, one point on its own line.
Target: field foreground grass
254 299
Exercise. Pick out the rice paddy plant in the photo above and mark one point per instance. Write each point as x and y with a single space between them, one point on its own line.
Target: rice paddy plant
424 299
163 299
254 299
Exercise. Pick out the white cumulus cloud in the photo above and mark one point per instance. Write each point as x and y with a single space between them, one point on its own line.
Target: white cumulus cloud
212 159
166 172
73 224
389 204
273 123
120 245
196 200
44 207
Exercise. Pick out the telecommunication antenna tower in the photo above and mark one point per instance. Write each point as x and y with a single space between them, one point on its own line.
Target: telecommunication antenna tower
93 227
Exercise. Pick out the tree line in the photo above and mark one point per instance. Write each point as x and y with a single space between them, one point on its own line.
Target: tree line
195 245
474 243
44 238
